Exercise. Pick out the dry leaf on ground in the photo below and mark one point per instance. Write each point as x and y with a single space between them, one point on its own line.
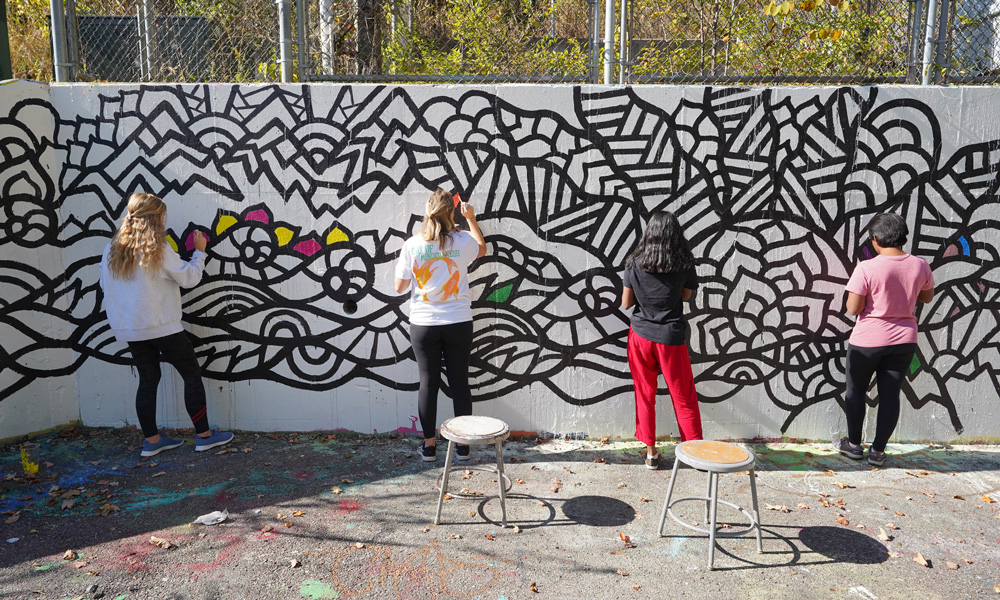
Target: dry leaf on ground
490 537
161 542
517 529
842 486
598 459
842 521
781 508
605 440
987 499
70 555
359 545
892 526
920 560
644 499
533 587
636 587
951 565
336 490
556 485
622 573
626 539
68 504
298 513
882 535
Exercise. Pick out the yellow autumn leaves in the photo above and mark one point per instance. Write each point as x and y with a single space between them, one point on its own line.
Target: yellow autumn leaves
782 9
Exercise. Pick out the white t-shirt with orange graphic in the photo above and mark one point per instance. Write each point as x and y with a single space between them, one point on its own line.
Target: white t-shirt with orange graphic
440 278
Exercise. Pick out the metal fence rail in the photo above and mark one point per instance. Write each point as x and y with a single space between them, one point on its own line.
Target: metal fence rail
497 41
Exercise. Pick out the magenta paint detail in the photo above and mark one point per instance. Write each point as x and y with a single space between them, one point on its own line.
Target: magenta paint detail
308 247
257 215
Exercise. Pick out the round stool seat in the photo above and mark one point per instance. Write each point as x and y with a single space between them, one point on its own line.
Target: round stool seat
713 456
474 429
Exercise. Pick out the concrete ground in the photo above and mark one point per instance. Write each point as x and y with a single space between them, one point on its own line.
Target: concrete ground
349 516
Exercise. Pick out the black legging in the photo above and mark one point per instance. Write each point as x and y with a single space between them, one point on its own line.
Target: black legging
178 351
430 342
889 364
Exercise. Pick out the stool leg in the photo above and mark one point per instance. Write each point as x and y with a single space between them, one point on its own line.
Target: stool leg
714 495
708 494
756 512
670 492
503 488
444 481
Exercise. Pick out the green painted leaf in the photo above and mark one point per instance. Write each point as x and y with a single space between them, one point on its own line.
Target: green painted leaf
501 294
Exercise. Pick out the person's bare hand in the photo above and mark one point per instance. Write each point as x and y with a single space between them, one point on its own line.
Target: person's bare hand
468 212
200 241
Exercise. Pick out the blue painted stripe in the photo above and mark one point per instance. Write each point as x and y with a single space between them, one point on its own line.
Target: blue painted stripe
965 245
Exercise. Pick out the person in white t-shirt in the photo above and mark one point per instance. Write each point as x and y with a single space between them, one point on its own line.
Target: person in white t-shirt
434 266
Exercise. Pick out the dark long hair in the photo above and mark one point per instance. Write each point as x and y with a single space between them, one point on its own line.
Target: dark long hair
663 247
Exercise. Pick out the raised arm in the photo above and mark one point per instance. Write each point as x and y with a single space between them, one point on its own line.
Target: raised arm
470 215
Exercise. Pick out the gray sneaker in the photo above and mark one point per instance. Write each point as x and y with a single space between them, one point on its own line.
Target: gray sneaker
845 447
875 458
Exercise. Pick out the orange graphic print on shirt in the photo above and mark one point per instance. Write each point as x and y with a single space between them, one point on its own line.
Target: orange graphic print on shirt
437 279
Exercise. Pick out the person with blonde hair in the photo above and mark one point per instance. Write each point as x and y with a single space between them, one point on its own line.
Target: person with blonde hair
434 266
141 276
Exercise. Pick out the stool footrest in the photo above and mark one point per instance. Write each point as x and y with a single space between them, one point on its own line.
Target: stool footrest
508 484
722 532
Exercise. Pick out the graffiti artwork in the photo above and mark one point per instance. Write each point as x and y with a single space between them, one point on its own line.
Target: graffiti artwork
305 190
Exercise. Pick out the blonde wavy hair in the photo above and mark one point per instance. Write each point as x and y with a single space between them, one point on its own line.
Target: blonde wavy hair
439 221
140 238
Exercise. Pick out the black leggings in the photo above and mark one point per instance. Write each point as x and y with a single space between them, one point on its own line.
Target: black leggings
178 351
889 364
430 342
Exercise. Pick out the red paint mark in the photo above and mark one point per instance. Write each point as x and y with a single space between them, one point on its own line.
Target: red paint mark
304 474
138 549
257 215
225 496
267 535
456 198
349 506
308 247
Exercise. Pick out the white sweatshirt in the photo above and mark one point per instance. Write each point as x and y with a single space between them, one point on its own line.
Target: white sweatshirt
148 306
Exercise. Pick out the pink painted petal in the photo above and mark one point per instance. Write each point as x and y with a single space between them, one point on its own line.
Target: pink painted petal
257 215
308 247
189 241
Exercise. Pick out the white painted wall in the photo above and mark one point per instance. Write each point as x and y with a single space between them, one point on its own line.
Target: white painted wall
776 243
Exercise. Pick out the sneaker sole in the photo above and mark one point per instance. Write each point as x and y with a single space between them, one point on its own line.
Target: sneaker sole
876 463
428 458
161 449
204 447
852 456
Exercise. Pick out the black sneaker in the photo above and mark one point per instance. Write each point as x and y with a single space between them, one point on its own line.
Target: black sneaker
653 463
428 453
461 452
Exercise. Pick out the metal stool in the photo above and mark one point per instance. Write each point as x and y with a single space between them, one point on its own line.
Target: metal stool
713 457
474 431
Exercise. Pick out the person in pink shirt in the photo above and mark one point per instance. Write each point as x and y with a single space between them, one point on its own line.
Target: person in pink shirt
883 292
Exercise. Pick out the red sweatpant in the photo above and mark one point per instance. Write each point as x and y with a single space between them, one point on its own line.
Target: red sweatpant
646 360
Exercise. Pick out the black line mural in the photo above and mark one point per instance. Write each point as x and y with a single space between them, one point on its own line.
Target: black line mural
773 187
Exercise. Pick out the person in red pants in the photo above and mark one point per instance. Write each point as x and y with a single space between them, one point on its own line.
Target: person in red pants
659 276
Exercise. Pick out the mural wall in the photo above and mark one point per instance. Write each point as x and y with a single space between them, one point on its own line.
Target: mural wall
307 193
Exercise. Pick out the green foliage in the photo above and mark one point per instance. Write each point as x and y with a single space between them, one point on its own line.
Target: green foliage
28 30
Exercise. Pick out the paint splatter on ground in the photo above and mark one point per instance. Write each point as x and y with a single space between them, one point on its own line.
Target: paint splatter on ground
319 515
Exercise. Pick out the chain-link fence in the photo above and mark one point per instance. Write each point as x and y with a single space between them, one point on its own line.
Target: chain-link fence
493 41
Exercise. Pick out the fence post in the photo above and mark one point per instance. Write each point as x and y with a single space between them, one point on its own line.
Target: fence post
624 34
609 41
914 33
285 40
595 41
59 56
925 67
939 59
72 39
301 18
6 71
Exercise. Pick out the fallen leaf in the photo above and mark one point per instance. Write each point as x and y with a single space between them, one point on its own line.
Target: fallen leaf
957 497
266 529
605 440
636 587
781 508
802 506
68 504
298 513
598 459
951 565
622 573
920 560
626 539
359 545
842 486
336 490
13 519
424 529
533 587
892 526
892 554
489 536
519 480
472 513
930 494
967 561
160 474
883 507
987 499
70 555
899 514
107 509
882 535
556 485
622 485
842 521
540 503
455 536
644 499
517 529
161 542
347 481
996 588
286 525
70 494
